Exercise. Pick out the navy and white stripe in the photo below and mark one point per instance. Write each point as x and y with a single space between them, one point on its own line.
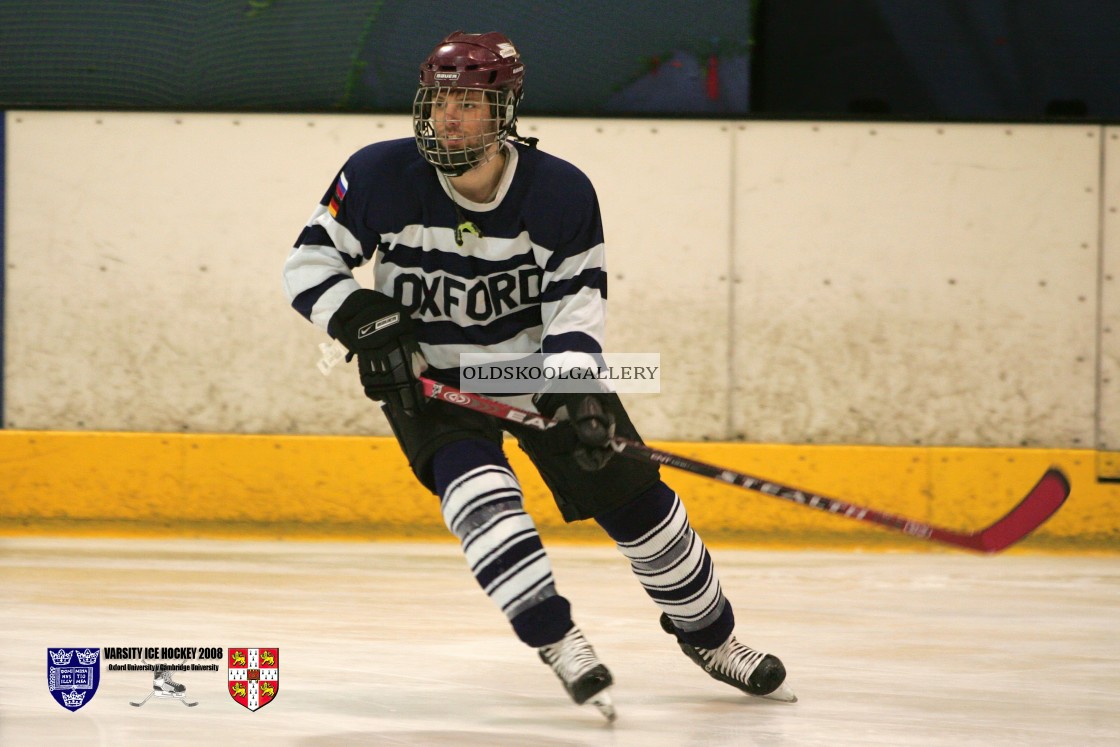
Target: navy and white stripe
534 282
484 509
674 567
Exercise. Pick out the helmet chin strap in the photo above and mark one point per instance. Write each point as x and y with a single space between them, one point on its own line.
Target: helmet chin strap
460 162
513 135
449 170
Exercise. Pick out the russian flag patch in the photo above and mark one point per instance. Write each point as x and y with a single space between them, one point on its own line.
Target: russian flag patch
340 188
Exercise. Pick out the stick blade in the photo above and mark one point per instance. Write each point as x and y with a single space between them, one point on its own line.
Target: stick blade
1041 503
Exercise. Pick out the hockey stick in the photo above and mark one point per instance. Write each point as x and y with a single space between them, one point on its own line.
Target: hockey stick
142 702
1043 500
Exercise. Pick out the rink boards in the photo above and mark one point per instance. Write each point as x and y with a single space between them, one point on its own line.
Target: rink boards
188 485
943 297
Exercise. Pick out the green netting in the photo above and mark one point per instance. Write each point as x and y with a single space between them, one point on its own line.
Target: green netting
205 55
330 55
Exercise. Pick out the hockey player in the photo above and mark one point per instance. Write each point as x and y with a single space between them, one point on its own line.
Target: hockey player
486 244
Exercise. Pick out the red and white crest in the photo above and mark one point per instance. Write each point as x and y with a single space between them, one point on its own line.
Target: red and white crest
254 675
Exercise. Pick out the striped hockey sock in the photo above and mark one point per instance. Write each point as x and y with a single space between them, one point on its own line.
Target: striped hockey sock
482 505
671 562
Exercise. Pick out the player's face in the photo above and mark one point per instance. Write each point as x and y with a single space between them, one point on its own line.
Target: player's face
463 119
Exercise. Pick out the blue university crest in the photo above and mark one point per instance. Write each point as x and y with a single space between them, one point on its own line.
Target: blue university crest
73 675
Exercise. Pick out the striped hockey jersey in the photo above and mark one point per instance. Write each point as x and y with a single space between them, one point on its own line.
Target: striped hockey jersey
529 276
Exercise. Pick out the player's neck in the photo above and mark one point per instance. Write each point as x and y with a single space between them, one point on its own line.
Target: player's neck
480 184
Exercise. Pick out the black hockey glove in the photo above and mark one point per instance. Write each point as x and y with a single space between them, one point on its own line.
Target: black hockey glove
587 415
378 330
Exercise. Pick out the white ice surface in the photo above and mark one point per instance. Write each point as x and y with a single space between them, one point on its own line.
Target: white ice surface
394 644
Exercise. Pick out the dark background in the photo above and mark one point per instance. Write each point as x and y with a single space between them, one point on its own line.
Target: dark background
938 59
865 59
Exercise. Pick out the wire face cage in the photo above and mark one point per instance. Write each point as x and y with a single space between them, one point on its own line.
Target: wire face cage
459 128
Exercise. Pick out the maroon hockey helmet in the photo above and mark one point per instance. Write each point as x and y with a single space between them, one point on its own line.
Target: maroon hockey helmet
485 62
488 61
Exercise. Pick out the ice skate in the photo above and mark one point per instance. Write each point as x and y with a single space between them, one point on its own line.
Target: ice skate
164 686
739 665
579 669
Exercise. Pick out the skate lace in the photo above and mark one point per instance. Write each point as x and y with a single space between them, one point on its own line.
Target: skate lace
732 659
571 656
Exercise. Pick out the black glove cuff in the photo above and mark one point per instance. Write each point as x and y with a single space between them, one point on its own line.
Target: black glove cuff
548 403
368 320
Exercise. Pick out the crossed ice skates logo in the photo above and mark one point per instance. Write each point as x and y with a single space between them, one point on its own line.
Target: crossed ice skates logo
164 686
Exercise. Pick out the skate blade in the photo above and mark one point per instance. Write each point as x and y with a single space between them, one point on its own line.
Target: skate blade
603 702
783 695
181 697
